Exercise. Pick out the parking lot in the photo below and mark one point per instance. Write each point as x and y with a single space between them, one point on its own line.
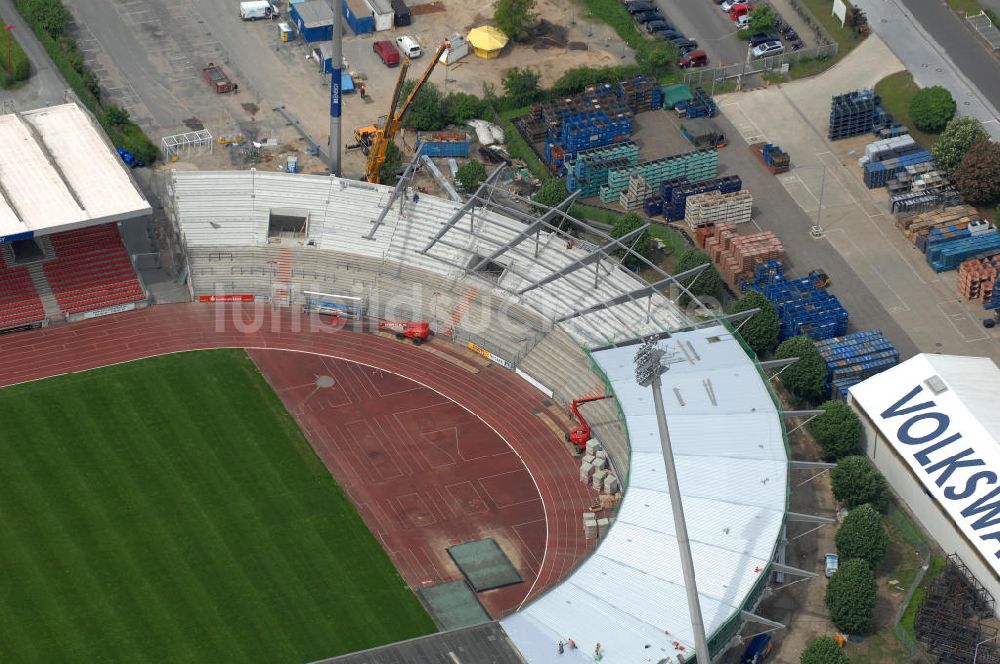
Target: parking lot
149 56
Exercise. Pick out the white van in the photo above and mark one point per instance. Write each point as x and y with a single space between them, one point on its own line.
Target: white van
408 46
255 9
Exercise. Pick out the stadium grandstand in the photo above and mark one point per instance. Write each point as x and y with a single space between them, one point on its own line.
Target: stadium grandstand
508 281
63 192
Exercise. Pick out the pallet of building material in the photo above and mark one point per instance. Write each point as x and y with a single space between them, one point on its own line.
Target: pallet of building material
911 224
636 194
948 255
640 93
853 114
852 358
977 276
714 207
695 166
771 157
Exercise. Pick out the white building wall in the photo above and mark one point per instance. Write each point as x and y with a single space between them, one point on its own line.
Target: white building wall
928 513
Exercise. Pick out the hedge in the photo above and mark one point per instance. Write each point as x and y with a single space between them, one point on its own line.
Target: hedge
20 68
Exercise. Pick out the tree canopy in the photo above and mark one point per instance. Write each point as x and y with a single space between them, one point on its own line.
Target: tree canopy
824 650
515 17
978 177
851 596
960 135
856 482
837 430
624 225
931 108
806 378
470 175
427 111
707 283
761 331
862 535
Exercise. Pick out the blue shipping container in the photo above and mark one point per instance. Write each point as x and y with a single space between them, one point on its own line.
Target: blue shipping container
358 16
442 148
313 20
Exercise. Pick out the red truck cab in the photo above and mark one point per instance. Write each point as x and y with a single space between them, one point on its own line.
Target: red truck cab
693 59
387 51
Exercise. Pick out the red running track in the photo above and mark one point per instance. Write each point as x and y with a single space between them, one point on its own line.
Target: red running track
423 472
501 399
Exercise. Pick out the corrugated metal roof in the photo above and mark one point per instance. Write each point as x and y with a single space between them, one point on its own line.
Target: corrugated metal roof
732 467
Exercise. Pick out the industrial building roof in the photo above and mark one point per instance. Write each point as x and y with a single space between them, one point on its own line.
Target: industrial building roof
314 14
732 466
58 172
939 413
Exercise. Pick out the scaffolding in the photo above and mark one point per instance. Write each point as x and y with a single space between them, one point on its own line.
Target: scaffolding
950 618
186 145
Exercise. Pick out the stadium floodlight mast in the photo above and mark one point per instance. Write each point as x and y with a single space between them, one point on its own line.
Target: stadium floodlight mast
651 363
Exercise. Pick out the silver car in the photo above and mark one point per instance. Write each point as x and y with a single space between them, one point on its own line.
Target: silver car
768 48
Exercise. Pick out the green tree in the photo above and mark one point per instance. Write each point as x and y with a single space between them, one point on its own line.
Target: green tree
708 283
851 596
761 331
116 115
470 175
521 85
761 19
857 482
862 535
806 378
515 17
461 106
978 178
932 108
20 67
624 225
389 171
49 15
427 112
656 57
960 135
578 78
824 650
551 193
837 430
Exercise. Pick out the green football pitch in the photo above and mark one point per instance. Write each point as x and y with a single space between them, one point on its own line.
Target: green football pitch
170 510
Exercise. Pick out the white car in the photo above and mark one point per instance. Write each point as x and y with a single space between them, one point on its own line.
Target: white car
767 49
743 21
409 46
728 4
832 563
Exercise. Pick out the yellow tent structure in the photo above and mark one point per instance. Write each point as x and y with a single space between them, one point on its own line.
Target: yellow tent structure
487 41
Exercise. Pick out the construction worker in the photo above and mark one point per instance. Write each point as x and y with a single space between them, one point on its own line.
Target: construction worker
361 90
561 647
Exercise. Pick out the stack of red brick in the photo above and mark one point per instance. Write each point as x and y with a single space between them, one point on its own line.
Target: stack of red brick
736 255
977 276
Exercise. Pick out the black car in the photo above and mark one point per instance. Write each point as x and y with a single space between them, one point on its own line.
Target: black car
684 50
761 37
639 7
683 43
668 34
646 17
658 26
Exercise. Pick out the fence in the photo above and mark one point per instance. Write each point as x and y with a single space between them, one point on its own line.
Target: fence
810 20
983 24
775 63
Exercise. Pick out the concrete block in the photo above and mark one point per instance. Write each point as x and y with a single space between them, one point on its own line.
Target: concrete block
600 464
601 454
586 471
610 484
598 479
593 446
589 458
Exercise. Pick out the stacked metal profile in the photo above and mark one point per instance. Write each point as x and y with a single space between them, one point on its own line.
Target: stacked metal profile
700 106
805 309
695 166
738 256
853 114
919 225
888 148
766 274
636 194
675 195
714 207
588 170
925 242
893 129
640 93
852 358
977 278
878 174
949 255
920 188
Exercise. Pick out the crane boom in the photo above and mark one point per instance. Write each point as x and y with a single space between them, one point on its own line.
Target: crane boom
393 121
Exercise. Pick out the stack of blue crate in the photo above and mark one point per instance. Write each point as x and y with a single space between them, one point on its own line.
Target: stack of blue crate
675 199
805 309
878 174
852 358
766 274
946 256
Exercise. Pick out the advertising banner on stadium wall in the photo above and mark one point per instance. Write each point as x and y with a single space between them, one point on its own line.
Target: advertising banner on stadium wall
490 356
107 311
954 456
225 298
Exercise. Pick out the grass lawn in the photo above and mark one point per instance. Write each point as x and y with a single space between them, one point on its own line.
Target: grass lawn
966 7
896 91
845 36
171 510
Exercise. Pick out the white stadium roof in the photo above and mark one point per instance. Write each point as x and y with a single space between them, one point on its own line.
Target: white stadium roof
58 172
732 464
940 415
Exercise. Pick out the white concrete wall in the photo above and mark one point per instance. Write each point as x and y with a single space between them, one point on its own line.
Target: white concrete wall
910 491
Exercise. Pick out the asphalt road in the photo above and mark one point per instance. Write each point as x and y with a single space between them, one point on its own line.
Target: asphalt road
703 21
964 47
46 86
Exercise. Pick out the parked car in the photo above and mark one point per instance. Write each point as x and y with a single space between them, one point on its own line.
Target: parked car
758 650
643 6
387 51
738 10
768 49
761 37
684 44
832 563
409 46
668 34
658 26
742 22
646 17
693 59
728 4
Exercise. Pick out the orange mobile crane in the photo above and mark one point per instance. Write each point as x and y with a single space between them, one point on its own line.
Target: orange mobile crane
374 139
